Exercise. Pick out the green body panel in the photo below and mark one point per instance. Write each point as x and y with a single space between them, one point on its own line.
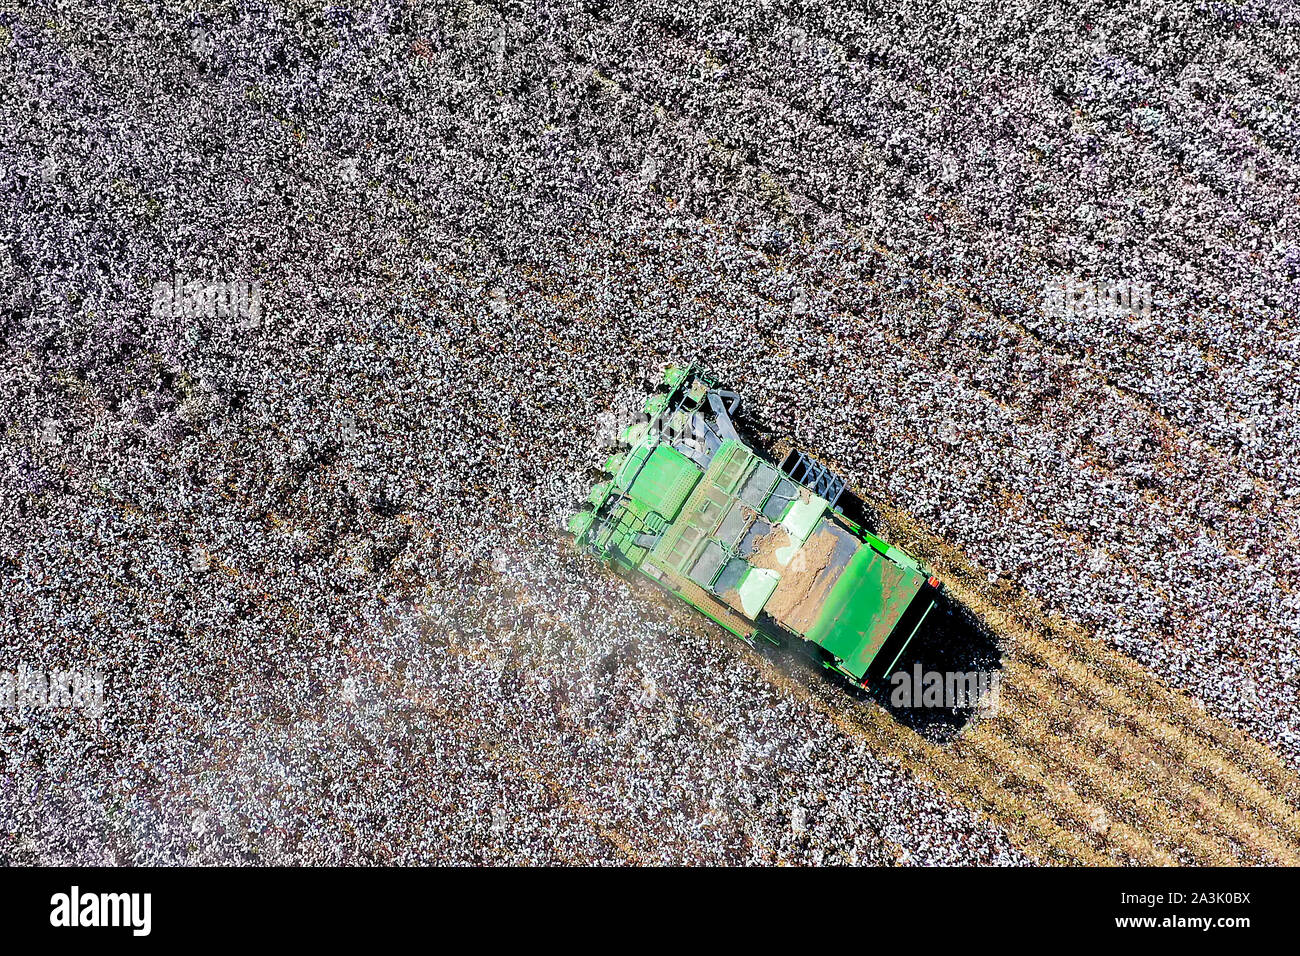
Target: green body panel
802 516
863 608
755 588
703 510
661 479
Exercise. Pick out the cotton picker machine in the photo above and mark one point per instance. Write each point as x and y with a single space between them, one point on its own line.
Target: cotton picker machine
765 551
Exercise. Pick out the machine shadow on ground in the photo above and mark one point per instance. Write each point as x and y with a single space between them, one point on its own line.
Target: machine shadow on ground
951 641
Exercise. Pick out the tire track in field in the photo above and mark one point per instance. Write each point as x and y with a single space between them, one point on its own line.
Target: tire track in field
1104 775
1121 753
1198 749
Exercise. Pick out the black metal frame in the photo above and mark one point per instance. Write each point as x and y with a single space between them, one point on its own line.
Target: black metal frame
813 474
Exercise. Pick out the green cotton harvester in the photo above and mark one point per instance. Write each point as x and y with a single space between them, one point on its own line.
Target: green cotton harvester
763 550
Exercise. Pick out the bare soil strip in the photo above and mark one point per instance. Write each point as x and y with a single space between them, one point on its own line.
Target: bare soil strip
1217 788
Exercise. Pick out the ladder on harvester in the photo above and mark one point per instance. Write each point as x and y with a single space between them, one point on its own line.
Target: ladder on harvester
813 474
